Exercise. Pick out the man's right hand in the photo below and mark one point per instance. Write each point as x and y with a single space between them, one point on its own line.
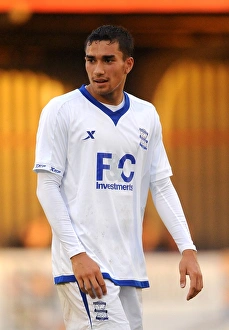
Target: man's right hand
88 275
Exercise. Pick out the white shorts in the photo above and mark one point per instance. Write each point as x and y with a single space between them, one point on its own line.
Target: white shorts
119 309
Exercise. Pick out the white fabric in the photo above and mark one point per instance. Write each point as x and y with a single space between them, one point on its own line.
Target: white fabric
169 208
120 309
101 165
48 192
164 196
114 107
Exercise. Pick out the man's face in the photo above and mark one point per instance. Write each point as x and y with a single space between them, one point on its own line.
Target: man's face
107 71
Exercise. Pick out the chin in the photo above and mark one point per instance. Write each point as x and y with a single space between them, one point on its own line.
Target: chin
101 91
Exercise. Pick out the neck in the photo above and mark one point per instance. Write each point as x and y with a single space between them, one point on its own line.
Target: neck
112 98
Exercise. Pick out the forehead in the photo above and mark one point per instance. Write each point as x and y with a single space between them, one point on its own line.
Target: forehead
103 47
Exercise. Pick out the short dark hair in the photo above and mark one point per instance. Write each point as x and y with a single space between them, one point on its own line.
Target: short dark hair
113 34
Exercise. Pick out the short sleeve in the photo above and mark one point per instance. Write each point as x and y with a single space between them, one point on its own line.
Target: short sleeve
160 166
52 139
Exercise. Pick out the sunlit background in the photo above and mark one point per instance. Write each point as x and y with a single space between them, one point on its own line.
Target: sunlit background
182 67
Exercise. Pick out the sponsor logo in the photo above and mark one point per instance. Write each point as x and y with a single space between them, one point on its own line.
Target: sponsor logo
143 138
90 135
100 310
118 172
114 186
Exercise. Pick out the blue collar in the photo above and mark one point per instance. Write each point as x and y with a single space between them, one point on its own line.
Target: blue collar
114 115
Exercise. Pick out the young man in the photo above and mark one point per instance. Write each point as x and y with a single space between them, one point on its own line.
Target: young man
98 152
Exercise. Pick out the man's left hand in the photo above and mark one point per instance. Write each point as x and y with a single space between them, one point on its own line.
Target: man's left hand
189 266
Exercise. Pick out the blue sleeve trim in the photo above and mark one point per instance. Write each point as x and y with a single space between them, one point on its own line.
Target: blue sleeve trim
114 115
71 278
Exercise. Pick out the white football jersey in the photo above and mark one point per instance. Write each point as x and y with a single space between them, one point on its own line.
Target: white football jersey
106 160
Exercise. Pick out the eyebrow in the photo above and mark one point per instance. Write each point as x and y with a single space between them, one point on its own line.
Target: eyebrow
105 57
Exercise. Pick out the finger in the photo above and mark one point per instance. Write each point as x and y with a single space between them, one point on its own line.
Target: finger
82 286
193 287
95 291
92 293
103 287
200 282
192 293
196 285
182 279
101 283
99 287
89 288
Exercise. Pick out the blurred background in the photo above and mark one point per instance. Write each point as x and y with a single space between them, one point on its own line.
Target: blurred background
182 67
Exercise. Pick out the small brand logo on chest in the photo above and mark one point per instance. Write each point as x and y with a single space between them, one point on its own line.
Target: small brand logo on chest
90 135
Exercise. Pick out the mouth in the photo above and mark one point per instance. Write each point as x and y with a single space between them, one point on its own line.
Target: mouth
100 81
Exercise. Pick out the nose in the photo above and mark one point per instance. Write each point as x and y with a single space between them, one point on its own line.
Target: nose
99 69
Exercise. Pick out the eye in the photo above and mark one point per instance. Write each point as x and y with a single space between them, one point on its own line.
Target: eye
109 59
90 59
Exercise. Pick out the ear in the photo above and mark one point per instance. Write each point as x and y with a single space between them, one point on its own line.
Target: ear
129 63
